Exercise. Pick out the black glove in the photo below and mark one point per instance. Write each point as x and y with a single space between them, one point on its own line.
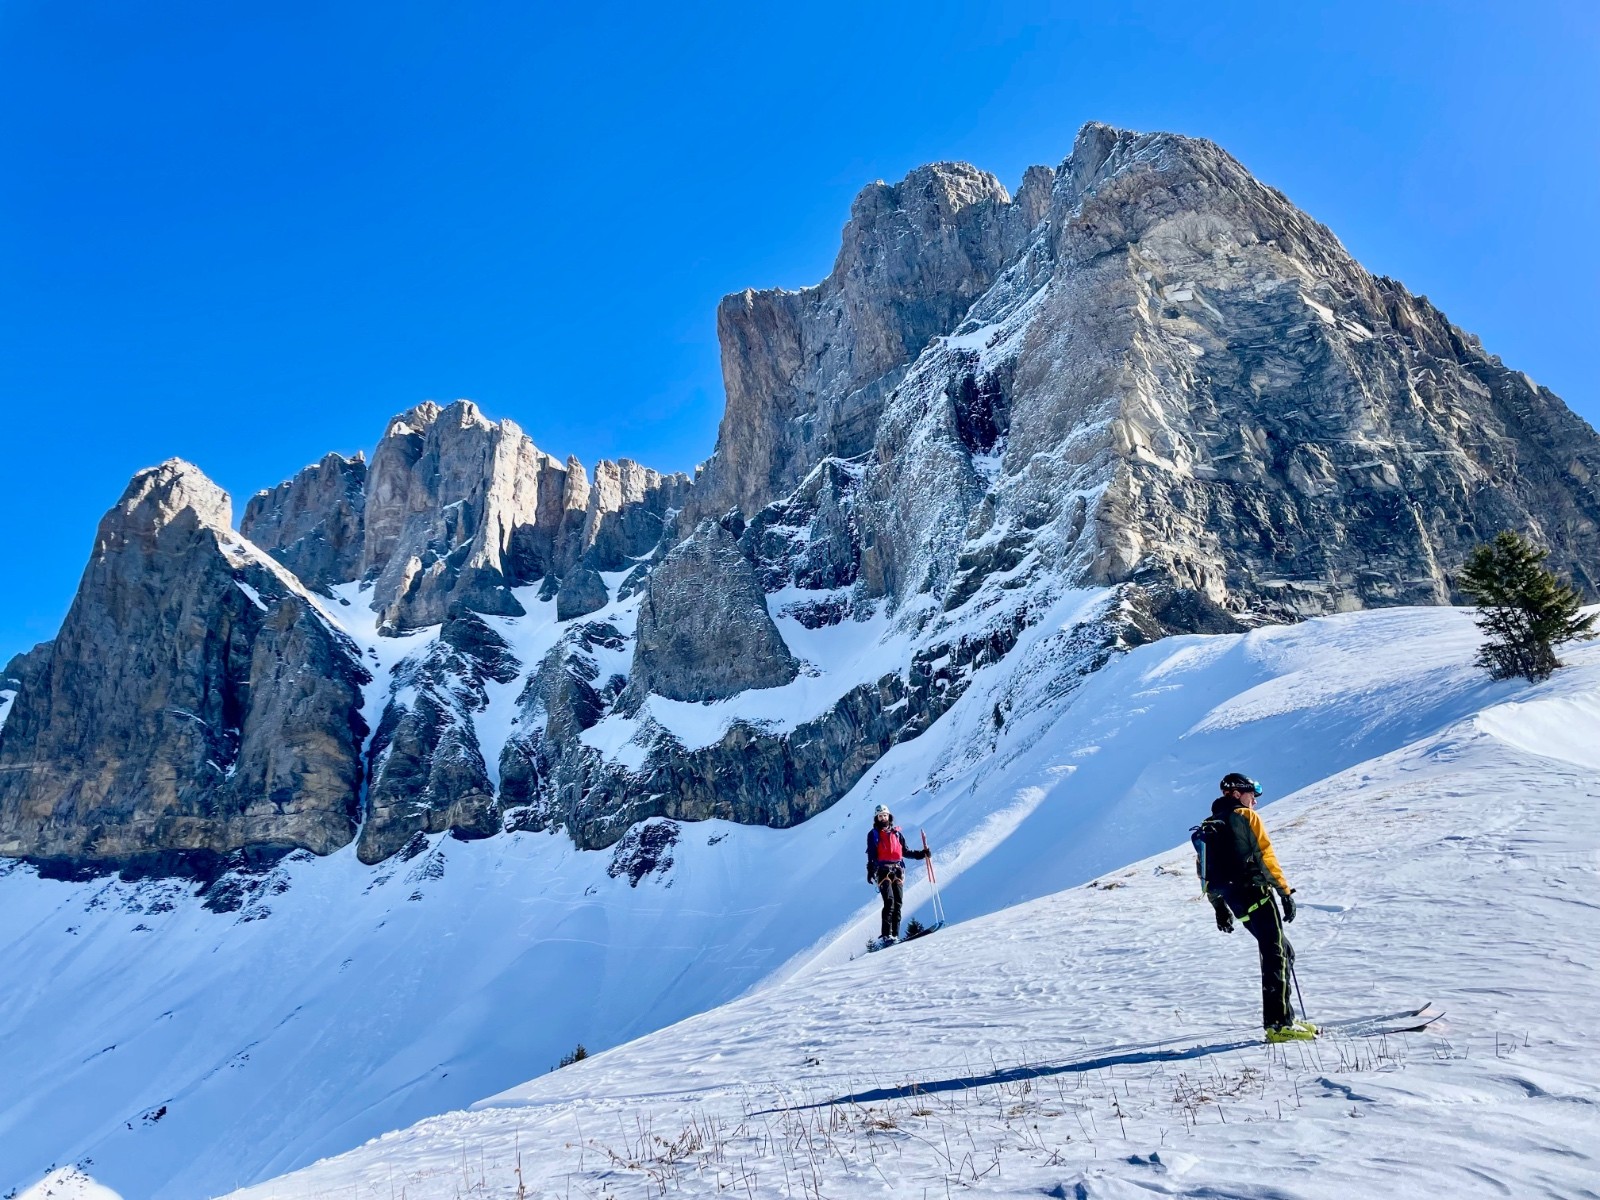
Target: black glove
872 877
1288 907
1224 917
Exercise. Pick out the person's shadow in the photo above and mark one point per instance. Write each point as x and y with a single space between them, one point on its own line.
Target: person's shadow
1122 1056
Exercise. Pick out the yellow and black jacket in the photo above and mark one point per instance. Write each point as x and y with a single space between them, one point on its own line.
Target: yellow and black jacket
1255 865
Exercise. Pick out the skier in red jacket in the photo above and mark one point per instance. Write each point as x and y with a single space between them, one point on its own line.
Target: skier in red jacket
886 852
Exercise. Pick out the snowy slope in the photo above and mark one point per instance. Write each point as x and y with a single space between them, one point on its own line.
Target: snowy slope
68 1183
1102 1041
370 998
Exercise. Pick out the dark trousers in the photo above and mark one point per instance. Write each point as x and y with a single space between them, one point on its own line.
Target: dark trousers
1277 957
892 886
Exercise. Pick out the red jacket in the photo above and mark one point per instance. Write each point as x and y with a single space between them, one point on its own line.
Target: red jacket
885 848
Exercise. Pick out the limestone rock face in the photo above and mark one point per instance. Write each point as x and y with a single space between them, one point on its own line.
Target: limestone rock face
453 515
810 539
461 509
194 701
312 523
428 770
547 773
807 372
1170 381
628 509
21 672
1184 382
704 631
581 592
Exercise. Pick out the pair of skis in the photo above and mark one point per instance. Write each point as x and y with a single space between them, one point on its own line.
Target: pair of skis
1410 1020
877 944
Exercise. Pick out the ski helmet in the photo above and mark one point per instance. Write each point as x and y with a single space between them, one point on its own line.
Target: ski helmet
1233 781
882 812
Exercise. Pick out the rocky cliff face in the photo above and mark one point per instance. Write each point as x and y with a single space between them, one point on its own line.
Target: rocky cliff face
313 523
1186 383
1005 437
22 671
195 700
455 512
704 632
453 515
1171 383
807 372
428 772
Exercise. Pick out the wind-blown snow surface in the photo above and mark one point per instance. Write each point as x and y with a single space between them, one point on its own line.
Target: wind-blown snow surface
1441 833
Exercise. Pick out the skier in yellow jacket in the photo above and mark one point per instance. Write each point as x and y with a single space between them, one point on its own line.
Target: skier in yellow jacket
1240 873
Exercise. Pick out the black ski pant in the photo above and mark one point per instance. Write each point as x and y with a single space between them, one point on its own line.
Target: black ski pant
892 886
1277 956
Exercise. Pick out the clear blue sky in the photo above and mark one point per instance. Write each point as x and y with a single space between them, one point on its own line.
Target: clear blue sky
247 233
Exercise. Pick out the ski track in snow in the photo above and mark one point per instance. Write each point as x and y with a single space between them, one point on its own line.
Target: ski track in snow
1101 1040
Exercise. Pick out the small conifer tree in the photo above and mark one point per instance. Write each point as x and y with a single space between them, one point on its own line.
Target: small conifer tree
1525 610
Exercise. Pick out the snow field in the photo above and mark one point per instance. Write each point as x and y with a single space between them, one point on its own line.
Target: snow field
342 1001
1103 1041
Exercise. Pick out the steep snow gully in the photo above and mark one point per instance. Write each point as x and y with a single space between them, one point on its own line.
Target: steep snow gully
1095 1041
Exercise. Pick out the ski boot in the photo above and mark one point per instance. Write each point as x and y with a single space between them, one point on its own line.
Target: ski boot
1295 1031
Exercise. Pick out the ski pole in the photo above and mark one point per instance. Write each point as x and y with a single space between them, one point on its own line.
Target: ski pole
938 905
1294 975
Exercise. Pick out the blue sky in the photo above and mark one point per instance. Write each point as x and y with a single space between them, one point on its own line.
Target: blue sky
248 233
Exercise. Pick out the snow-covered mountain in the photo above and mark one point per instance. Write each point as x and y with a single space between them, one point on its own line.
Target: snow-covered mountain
1146 371
441 764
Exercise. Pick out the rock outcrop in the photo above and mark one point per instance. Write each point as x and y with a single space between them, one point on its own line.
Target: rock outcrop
1186 383
454 516
428 772
460 510
21 672
312 523
704 632
807 372
194 702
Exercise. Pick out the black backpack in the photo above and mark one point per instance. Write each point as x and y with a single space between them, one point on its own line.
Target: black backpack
1216 854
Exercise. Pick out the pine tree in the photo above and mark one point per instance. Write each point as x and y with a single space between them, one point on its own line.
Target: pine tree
1525 610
